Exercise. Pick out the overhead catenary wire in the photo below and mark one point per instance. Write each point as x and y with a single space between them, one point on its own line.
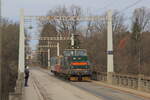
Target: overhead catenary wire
130 6
106 6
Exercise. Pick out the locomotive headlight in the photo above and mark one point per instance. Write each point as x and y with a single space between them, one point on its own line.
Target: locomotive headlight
74 58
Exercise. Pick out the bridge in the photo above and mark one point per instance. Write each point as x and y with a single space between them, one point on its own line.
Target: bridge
43 85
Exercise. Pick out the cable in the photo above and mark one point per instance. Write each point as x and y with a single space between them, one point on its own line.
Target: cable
107 5
104 7
130 6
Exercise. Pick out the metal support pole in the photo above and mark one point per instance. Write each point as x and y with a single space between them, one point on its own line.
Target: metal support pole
48 56
49 65
72 40
20 81
41 59
110 62
0 53
58 49
21 43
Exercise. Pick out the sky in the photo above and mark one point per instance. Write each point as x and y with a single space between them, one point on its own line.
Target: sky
10 8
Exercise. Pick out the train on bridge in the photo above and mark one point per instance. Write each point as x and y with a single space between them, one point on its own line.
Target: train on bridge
74 65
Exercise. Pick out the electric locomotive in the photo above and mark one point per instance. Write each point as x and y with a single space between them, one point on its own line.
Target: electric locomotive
76 65
73 64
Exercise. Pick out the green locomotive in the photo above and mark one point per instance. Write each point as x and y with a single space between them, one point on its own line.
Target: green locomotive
74 65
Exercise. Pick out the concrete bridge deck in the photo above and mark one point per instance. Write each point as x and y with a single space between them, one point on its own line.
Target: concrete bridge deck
44 86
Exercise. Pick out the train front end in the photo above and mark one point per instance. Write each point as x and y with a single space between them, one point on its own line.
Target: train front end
79 66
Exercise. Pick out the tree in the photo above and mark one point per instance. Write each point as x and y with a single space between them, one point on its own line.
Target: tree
60 28
142 17
98 39
10 42
118 24
66 27
131 56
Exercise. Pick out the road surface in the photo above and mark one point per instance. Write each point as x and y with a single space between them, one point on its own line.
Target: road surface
53 88
106 93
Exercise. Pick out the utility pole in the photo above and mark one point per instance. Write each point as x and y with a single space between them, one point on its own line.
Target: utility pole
0 51
58 50
49 65
21 43
21 65
110 62
72 40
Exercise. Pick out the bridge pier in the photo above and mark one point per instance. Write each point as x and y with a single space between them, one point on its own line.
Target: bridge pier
140 82
20 84
19 90
110 77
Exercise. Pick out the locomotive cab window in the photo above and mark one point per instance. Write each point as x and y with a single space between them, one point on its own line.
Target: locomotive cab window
75 52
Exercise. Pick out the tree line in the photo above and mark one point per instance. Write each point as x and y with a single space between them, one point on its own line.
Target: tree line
131 36
10 46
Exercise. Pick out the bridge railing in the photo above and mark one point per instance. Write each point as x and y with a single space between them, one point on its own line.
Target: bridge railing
99 76
138 82
129 81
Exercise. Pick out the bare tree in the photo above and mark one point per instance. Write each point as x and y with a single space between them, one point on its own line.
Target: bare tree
63 26
10 42
60 27
142 17
118 22
94 39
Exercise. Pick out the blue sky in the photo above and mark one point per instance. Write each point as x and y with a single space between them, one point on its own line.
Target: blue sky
10 8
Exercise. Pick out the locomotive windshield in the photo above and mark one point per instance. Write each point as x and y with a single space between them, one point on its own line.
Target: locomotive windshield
75 53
